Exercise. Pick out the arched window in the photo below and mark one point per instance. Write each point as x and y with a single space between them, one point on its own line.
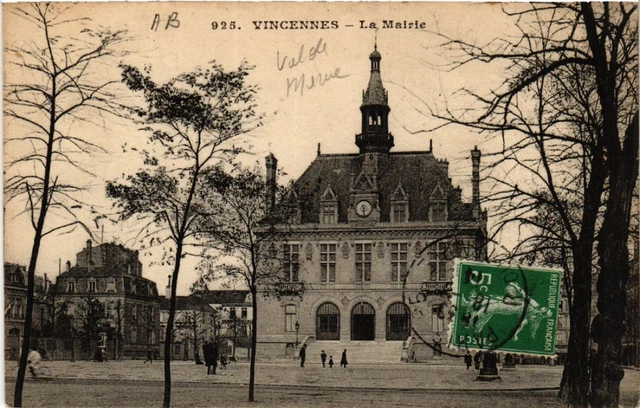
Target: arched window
14 332
398 322
328 322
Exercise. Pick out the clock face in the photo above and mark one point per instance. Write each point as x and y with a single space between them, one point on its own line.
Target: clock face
363 208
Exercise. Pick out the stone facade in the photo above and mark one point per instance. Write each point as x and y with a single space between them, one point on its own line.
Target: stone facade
370 255
127 302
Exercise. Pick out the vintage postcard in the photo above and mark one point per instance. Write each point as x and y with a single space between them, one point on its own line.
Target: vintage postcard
215 204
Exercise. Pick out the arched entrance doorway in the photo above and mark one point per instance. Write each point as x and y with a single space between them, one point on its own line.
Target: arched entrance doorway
328 322
363 322
398 322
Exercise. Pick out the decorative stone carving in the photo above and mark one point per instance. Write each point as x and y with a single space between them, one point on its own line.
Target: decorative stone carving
308 250
345 250
345 301
418 249
381 249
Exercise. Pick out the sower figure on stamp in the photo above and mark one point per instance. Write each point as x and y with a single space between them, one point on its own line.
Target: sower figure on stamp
343 360
467 359
323 358
303 355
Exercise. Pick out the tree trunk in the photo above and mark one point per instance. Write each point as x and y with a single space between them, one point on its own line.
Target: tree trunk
574 387
254 340
609 325
168 335
35 251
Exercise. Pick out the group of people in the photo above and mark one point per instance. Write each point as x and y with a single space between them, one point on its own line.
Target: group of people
323 358
210 353
477 359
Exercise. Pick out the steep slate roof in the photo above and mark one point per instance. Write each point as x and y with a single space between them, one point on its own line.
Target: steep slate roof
420 173
186 303
224 297
100 272
375 93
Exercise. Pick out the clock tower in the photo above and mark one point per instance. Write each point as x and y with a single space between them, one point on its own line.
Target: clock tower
374 143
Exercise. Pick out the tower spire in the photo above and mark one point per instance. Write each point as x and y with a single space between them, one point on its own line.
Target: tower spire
375 109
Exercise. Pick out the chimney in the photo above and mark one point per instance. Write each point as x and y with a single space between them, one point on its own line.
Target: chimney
475 180
319 151
457 194
68 266
89 252
167 292
272 167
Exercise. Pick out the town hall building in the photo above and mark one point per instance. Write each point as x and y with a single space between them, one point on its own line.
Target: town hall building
369 257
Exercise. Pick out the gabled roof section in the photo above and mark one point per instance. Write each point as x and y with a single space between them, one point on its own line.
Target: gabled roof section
418 171
399 194
363 183
437 194
329 195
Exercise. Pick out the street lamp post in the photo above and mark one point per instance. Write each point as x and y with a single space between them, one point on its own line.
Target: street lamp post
297 330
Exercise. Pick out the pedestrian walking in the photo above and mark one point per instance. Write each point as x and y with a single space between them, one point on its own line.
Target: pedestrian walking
467 359
330 361
303 355
477 358
149 356
343 360
33 360
214 357
206 354
323 357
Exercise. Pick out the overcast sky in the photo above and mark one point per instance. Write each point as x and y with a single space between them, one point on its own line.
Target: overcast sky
295 123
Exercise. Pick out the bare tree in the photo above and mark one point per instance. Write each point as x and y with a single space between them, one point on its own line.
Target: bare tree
192 120
88 312
192 327
567 116
258 215
53 83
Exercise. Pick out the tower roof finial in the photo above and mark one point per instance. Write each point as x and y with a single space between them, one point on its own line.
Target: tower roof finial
375 43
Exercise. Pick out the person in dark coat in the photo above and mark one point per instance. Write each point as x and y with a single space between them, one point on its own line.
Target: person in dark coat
330 361
149 356
206 353
467 360
214 357
477 359
303 355
343 360
323 357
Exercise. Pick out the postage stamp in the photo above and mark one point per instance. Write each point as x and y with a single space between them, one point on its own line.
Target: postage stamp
505 308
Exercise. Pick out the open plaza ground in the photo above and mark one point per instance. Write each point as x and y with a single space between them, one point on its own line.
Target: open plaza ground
134 384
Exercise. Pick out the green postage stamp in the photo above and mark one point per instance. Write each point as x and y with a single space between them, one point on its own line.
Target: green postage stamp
505 308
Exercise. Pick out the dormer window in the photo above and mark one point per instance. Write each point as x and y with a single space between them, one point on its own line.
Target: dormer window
328 214
328 207
399 205
438 212
437 205
111 285
92 286
71 286
399 212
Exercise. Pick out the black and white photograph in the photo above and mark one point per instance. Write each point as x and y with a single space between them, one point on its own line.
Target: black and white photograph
310 204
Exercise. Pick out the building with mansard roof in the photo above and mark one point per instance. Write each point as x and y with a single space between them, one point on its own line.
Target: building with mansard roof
368 262
110 303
